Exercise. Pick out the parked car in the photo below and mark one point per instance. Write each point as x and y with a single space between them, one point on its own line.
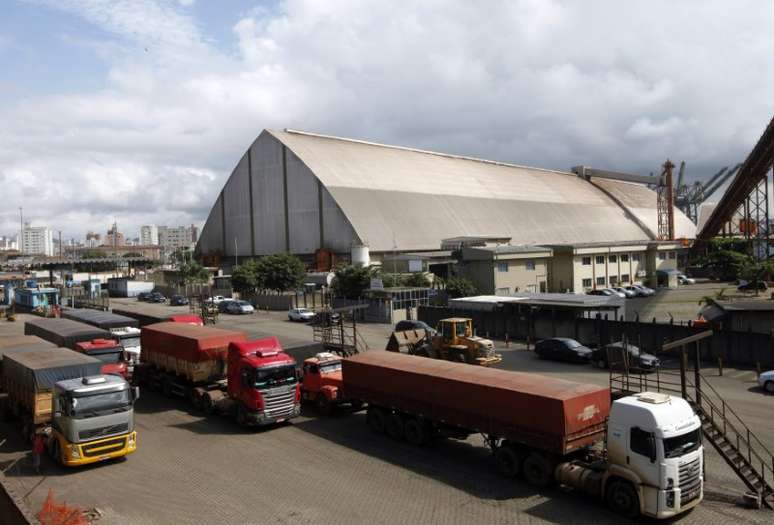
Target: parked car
300 314
143 296
684 279
216 299
627 293
223 305
156 297
638 360
563 349
410 324
178 300
239 307
616 293
766 381
644 291
746 286
601 291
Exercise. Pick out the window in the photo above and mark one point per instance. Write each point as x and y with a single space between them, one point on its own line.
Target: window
624 277
612 258
662 256
672 255
600 259
640 442
530 265
601 281
502 267
587 282
636 257
613 280
624 257
586 261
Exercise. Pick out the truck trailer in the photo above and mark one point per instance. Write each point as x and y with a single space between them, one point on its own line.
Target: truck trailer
63 332
125 329
220 371
15 342
641 454
86 417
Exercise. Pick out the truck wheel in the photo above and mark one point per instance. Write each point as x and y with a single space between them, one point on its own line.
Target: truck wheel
623 499
460 357
166 387
508 461
356 404
323 404
193 397
208 407
415 431
376 419
395 427
241 415
537 470
56 453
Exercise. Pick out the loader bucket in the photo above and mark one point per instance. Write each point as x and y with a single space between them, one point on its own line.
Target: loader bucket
405 342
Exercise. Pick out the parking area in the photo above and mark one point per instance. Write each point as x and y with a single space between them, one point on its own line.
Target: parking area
194 469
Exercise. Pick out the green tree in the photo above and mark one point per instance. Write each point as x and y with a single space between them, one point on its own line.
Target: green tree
417 280
193 272
245 278
93 254
280 272
460 287
132 254
350 281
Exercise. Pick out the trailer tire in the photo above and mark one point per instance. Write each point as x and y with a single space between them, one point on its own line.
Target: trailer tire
323 404
356 405
537 470
241 415
416 432
622 498
56 452
395 427
376 419
508 461
208 407
166 387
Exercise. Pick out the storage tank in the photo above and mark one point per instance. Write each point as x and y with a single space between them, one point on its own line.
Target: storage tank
360 255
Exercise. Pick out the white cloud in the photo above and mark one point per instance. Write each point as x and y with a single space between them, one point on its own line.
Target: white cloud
548 83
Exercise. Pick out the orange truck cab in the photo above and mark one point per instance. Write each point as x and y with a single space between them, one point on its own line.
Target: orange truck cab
110 352
322 382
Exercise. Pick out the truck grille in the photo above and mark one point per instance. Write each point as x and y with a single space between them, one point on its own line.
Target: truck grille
104 431
279 403
690 481
486 352
103 447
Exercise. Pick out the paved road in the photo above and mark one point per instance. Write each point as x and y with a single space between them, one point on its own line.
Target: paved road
191 469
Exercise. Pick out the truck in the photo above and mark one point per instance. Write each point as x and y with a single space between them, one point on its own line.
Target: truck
83 338
125 329
321 383
641 454
454 340
9 342
145 319
220 371
86 417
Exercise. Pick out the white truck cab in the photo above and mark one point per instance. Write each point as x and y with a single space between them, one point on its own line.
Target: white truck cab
654 443
129 338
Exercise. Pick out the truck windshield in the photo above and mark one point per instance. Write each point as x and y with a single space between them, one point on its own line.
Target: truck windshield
276 376
108 357
462 329
130 342
100 404
327 368
679 445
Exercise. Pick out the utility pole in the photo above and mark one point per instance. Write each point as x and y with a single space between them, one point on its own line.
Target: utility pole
236 253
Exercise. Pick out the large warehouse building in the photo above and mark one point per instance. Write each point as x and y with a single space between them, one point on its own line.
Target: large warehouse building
300 192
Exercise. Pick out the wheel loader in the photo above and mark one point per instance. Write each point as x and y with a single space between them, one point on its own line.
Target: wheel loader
453 342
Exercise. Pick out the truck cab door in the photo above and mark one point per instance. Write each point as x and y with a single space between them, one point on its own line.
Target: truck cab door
642 458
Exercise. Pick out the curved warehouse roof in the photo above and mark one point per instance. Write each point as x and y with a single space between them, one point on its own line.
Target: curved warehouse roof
395 198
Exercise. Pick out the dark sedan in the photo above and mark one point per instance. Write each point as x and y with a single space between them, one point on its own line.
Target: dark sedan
178 300
637 359
156 297
563 349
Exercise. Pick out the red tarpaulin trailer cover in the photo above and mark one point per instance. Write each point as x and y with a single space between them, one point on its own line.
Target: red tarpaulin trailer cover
545 412
188 342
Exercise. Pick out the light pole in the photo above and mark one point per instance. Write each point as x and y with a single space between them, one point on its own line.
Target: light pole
236 253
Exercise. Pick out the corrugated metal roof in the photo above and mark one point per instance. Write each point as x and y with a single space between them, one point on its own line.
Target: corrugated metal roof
413 199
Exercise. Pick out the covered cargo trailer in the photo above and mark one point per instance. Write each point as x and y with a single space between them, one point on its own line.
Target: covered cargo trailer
198 353
99 318
64 332
146 319
549 414
20 342
29 377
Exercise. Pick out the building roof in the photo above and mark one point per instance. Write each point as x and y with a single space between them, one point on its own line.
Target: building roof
508 249
413 199
743 306
563 300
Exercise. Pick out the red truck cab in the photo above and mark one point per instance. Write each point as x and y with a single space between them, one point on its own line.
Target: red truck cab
263 381
186 318
322 382
110 352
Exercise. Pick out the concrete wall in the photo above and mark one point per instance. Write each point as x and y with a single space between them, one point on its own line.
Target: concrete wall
519 277
273 203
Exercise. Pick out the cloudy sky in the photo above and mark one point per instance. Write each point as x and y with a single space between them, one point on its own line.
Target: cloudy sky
138 110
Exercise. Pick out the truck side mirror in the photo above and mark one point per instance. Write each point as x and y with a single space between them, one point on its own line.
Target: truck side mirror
135 393
652 448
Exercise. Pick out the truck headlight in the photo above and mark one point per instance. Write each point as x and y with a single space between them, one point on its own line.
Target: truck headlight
131 439
74 454
670 499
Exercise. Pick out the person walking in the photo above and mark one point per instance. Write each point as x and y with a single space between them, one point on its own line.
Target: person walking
38 447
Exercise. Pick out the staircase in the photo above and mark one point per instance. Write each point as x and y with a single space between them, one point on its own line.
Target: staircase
721 425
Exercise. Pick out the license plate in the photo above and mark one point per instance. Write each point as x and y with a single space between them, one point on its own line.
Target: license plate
692 494
280 420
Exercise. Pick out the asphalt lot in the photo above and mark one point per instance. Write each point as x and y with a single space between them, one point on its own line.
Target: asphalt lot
192 469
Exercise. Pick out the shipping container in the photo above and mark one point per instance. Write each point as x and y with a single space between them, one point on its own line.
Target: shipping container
64 332
551 414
